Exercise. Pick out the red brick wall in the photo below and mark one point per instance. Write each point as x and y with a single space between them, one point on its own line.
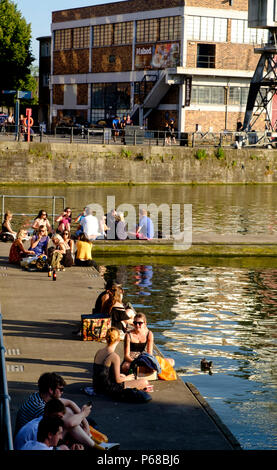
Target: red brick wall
122 59
58 94
82 94
116 8
71 61
216 119
222 4
228 56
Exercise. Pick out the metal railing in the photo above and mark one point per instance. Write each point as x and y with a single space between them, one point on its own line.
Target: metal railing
141 136
6 440
53 214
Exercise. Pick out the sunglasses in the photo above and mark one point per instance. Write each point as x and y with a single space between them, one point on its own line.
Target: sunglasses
138 322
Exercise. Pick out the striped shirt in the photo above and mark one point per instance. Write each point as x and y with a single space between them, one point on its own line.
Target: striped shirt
32 408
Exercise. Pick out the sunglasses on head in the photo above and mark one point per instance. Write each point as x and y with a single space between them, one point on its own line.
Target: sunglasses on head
138 322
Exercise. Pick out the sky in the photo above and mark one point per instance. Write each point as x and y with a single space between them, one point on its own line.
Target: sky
39 14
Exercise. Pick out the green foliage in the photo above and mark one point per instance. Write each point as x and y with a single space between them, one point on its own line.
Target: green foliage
15 55
201 154
220 155
126 153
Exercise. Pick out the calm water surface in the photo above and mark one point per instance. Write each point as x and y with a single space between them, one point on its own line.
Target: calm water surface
218 208
228 316
225 314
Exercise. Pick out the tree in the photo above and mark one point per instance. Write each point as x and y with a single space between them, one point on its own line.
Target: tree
15 42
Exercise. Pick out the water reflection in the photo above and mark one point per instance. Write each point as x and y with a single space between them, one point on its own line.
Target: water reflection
216 208
226 315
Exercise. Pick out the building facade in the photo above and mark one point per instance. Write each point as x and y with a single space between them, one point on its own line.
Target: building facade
44 79
190 60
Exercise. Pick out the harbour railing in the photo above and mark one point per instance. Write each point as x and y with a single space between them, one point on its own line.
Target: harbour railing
136 135
52 198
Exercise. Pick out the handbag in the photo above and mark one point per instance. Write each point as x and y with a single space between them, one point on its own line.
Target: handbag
167 371
94 327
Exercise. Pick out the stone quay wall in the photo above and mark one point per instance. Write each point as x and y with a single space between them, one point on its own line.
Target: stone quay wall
23 162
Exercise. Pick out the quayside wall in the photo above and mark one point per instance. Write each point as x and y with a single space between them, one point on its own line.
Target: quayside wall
50 163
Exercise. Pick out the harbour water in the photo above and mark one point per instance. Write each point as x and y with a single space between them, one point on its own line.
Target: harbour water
222 311
226 315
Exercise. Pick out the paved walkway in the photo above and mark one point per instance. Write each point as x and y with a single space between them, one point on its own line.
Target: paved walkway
38 318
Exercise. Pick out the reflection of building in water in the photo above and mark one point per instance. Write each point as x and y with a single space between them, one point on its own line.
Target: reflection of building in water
220 316
265 284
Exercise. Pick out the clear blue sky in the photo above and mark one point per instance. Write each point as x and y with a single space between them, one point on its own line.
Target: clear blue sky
38 13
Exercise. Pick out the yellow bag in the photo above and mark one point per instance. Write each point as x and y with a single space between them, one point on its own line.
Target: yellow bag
97 436
168 373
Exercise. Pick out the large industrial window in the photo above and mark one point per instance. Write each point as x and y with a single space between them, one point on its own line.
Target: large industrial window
147 30
207 94
170 28
103 35
110 95
81 37
203 28
159 29
123 33
238 95
63 39
240 33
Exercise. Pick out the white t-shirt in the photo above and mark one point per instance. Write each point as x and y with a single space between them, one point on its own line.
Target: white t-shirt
27 433
90 226
35 445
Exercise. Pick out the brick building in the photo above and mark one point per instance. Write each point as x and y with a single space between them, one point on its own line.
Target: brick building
191 60
44 78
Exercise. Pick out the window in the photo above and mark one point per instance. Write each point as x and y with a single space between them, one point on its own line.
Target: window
147 30
110 95
238 95
63 39
202 28
45 49
123 33
81 38
240 33
45 80
159 29
207 95
103 35
206 56
170 28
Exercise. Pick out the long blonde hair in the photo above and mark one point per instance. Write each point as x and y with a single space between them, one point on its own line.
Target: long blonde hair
21 234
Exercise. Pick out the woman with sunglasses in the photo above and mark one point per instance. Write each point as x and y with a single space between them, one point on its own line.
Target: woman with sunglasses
138 340
42 219
68 257
107 378
39 241
64 220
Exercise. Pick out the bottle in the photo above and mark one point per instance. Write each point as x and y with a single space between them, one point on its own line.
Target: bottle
54 275
50 271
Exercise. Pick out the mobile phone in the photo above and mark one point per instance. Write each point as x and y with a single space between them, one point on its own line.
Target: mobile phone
89 403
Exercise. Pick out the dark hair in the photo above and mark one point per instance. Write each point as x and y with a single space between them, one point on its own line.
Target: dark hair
84 238
48 424
40 214
50 380
54 406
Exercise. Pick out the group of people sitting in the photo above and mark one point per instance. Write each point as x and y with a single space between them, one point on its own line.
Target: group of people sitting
61 254
112 226
47 421
110 375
